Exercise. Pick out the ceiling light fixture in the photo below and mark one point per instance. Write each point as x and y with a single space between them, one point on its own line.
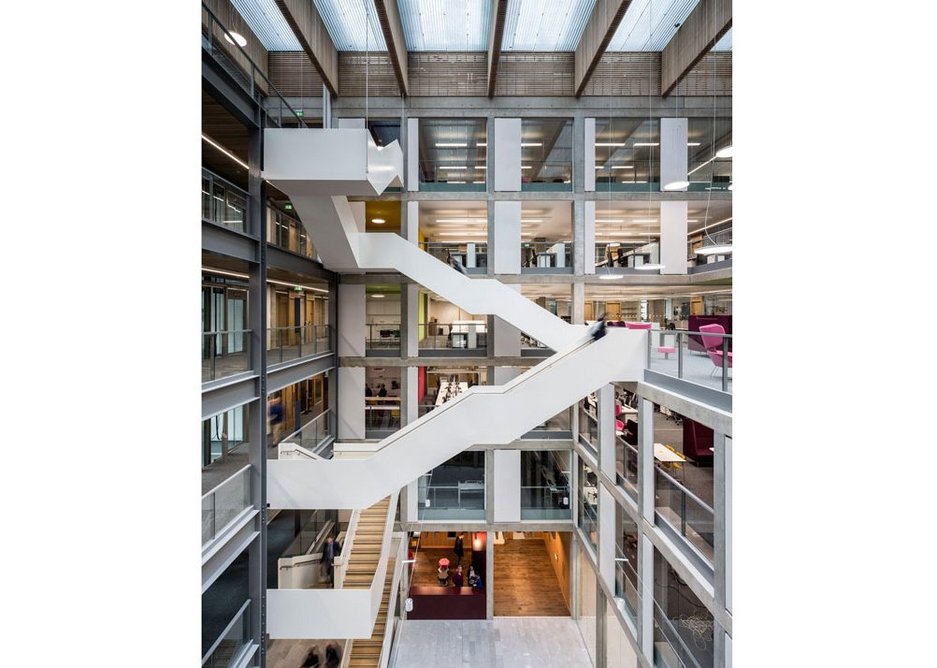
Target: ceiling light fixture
482 144
526 167
647 143
225 151
692 143
529 144
724 152
676 185
609 277
454 167
378 221
481 167
450 144
609 143
622 166
235 38
377 296
718 249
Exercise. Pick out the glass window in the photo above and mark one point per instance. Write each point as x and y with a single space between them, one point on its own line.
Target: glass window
683 627
588 503
545 489
453 154
546 154
455 489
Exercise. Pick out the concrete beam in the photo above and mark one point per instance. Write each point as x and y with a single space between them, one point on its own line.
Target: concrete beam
602 25
312 34
705 26
389 15
495 34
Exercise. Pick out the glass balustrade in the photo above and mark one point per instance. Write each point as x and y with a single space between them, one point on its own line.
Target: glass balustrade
704 359
223 203
473 256
291 343
546 502
685 512
228 649
383 337
222 505
313 435
286 232
546 255
225 353
467 336
381 413
626 584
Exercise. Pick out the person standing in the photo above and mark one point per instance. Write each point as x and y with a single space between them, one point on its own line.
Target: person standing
328 558
457 578
458 548
275 412
367 391
382 392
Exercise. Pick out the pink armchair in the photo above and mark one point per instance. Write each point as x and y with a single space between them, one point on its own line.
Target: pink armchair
712 340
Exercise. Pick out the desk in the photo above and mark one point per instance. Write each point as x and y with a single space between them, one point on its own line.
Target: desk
666 455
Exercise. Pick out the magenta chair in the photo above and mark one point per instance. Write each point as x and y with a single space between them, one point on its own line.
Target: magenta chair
713 345
638 325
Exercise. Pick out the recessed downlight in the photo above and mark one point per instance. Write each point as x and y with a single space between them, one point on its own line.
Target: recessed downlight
235 38
378 221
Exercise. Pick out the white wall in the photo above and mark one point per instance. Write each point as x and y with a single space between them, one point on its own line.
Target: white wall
507 485
673 151
351 315
673 237
319 613
507 152
350 402
413 154
385 310
589 162
506 238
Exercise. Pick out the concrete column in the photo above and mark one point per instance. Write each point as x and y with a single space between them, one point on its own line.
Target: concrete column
605 413
673 154
579 236
601 628
578 304
412 154
410 221
326 107
408 509
588 144
588 237
504 238
489 581
489 486
673 237
507 485
605 553
722 474
507 154
646 589
575 576
351 343
646 459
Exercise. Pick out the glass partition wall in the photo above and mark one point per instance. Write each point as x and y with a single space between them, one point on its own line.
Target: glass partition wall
546 154
454 490
627 154
453 154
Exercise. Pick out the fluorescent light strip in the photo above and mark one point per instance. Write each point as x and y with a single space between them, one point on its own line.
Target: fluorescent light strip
443 144
225 151
530 144
482 144
609 143
481 167
234 274
692 143
526 167
622 166
453 168
647 143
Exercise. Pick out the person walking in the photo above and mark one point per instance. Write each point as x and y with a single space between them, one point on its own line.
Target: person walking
458 548
382 392
275 412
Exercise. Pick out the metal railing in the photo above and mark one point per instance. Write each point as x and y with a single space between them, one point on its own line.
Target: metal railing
627 466
225 503
383 336
314 435
461 334
623 253
546 254
232 642
382 413
225 352
545 175
685 512
545 502
291 343
670 351
455 175
223 203
219 43
469 254
626 581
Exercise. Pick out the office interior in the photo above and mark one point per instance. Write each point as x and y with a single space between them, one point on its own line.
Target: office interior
611 510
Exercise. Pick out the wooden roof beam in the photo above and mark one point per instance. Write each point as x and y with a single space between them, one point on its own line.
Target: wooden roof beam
599 31
313 36
499 10
705 26
389 15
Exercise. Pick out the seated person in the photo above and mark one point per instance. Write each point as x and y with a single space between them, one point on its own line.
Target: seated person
471 576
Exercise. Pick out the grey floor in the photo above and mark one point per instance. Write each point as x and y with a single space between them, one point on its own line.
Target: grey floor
505 642
697 368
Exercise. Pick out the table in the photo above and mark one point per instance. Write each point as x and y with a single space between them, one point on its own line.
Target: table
666 455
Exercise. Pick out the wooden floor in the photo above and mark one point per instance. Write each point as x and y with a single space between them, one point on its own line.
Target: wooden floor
525 582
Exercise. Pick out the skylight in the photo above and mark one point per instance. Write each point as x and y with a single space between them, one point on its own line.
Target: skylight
445 25
648 25
724 44
353 25
266 21
545 25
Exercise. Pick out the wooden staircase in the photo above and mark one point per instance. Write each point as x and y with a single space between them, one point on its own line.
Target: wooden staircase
367 653
366 548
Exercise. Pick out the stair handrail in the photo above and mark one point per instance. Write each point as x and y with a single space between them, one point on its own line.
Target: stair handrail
341 561
377 584
390 623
